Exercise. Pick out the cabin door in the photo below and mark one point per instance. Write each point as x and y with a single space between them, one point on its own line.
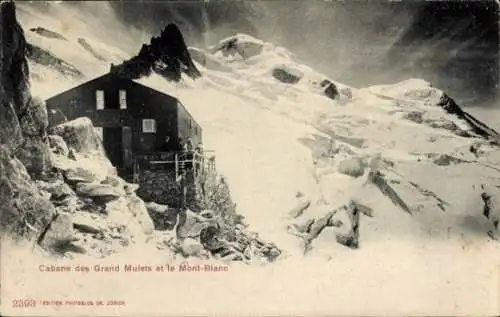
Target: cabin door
127 146
112 140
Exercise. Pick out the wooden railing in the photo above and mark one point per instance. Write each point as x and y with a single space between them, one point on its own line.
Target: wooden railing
201 164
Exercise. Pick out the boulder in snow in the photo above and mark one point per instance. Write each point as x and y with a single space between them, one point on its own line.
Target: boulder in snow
354 167
80 135
193 225
286 74
157 208
241 44
128 211
79 175
88 223
113 181
99 192
191 247
58 190
59 232
415 116
329 89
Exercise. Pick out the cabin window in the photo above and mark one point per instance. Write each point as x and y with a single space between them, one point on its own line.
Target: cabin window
149 126
123 99
99 99
99 132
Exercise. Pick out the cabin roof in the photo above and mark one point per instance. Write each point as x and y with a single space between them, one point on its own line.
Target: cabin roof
153 82
142 82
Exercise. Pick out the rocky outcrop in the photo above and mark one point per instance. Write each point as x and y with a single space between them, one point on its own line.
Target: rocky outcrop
98 192
287 75
166 55
208 235
34 150
102 210
478 127
418 90
240 44
56 189
80 135
14 88
43 57
90 49
34 153
311 228
329 89
25 210
378 179
58 233
47 33
216 233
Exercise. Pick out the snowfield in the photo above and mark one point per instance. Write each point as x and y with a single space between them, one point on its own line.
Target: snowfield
279 145
267 147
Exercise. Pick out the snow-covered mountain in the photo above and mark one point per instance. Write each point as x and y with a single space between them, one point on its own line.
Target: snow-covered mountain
286 135
299 150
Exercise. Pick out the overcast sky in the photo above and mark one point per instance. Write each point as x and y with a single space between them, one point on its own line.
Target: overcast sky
453 44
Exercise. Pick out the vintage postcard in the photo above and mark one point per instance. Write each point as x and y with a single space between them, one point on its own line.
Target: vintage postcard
249 158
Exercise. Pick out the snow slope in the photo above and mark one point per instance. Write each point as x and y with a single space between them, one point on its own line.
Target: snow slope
269 136
273 143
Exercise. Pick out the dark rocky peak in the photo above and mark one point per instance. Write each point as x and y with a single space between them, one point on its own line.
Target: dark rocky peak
8 13
23 121
14 65
166 55
450 106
